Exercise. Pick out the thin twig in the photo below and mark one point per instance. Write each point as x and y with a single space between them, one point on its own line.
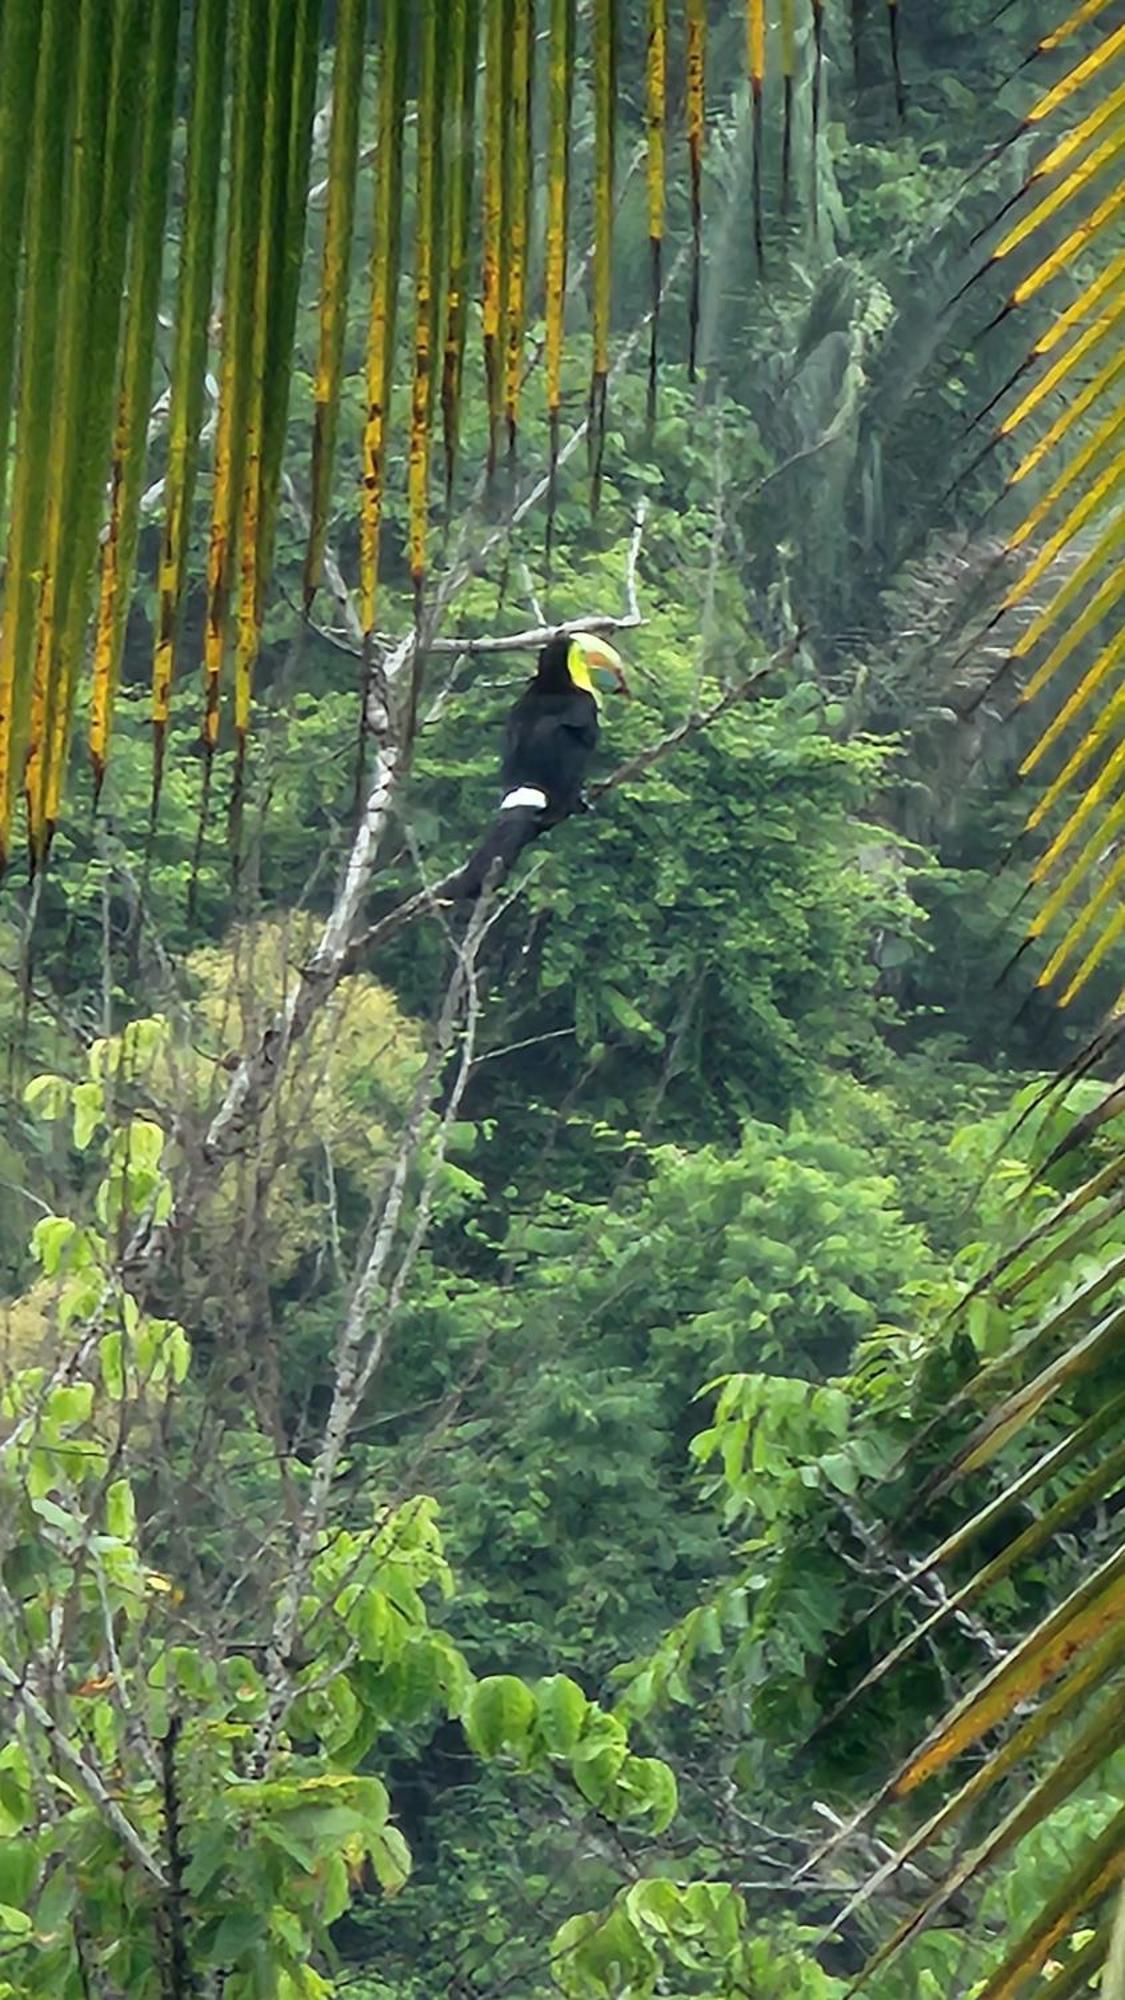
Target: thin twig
360 1349
84 1772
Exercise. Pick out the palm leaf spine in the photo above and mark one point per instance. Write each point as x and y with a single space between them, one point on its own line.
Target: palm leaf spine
696 133
343 165
267 253
605 88
189 353
1094 796
788 78
817 87
1108 484
896 57
1055 1710
520 170
425 260
146 258
384 297
1081 306
1103 156
1103 552
1073 411
1091 1748
1055 376
1099 1868
560 99
81 203
253 25
1090 857
756 60
1080 17
656 114
494 215
1079 136
290 210
1076 79
1093 682
1098 952
1106 896
1073 470
465 40
101 344
19 53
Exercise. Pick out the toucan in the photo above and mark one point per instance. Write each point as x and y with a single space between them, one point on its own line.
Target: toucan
549 740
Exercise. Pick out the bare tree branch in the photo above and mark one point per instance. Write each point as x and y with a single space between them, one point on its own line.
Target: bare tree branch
70 1754
361 1347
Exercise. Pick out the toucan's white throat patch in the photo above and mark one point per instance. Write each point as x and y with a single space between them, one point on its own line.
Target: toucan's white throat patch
525 795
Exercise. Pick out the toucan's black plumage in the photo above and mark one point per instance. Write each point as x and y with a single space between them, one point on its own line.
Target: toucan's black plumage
550 737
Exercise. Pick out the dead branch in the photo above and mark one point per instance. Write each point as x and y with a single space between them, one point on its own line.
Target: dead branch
361 1346
82 1770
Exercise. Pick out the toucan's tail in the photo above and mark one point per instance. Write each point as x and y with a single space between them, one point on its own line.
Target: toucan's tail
510 832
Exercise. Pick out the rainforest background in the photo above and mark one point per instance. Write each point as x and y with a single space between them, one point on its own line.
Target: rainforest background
754 1089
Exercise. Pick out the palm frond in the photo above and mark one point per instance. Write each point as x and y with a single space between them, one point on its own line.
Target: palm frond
248 148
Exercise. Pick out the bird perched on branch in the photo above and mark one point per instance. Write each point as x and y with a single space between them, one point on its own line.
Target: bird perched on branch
548 743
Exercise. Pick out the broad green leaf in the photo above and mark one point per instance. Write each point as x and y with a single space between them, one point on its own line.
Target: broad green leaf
121 1510
390 1858
499 1715
561 1710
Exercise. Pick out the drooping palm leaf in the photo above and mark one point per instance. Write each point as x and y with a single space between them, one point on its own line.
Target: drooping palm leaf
1057 1690
19 54
255 30
656 106
817 91
425 278
756 62
1073 418
189 361
146 257
462 55
560 94
289 219
290 81
497 65
605 86
520 170
384 296
343 163
788 76
53 84
90 345
696 131
80 206
896 56
267 246
259 154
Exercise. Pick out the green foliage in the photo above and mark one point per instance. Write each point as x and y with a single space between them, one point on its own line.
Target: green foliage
610 1535
274 1859
663 1938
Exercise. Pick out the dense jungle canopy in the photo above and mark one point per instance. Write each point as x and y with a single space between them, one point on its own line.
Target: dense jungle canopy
569 1440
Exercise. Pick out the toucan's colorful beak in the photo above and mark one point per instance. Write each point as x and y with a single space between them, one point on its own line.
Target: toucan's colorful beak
606 666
